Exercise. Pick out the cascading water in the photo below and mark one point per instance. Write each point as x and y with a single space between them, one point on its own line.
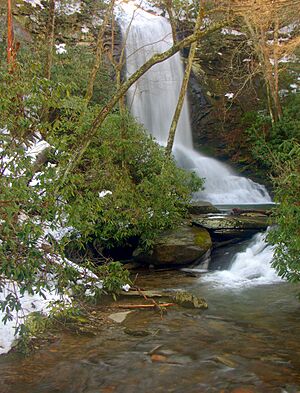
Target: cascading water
153 98
249 267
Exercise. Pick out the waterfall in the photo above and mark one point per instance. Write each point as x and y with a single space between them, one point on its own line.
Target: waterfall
153 98
249 267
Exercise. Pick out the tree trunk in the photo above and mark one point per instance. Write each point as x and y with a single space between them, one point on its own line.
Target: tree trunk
184 86
277 103
10 35
51 37
169 8
98 56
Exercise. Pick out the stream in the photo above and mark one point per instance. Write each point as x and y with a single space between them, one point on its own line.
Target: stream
247 341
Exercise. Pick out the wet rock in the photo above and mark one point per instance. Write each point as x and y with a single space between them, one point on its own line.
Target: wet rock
226 361
182 246
243 389
251 212
202 207
224 226
119 317
131 266
136 333
188 300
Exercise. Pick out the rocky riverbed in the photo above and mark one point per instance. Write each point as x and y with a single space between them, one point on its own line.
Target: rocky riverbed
246 341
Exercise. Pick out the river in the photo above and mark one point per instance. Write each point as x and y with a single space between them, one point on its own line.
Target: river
247 341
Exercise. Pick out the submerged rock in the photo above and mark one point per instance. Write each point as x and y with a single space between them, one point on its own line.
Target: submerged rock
119 317
182 246
137 333
188 300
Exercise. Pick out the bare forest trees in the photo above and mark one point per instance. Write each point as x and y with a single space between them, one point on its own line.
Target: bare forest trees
265 20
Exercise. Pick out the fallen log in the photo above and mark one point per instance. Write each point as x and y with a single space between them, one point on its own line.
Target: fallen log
157 305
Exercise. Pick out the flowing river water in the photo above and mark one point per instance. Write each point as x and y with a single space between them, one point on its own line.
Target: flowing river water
247 341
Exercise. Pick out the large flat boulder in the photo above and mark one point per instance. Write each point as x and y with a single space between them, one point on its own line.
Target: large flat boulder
183 246
229 226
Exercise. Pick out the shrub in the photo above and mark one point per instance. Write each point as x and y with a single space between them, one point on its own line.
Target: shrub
277 146
123 186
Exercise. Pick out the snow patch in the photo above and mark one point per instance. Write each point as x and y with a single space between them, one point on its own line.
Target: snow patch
289 28
285 59
60 49
103 193
229 95
29 303
36 148
34 3
231 32
283 92
69 8
85 29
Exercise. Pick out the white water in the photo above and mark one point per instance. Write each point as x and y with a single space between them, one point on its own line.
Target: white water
153 98
249 268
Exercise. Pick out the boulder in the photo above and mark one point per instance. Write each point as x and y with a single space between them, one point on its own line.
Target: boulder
226 227
182 246
188 300
202 207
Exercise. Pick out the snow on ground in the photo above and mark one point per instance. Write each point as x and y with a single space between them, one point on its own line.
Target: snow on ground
29 303
37 303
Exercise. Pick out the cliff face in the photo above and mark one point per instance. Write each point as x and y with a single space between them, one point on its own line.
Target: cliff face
77 22
220 95
226 85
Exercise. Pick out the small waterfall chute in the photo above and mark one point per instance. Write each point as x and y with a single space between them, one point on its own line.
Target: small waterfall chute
249 267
